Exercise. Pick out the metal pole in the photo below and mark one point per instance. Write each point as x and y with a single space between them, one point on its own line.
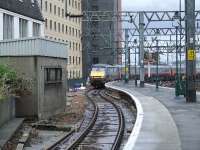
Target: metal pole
141 31
177 72
135 67
126 55
129 63
180 7
190 51
157 64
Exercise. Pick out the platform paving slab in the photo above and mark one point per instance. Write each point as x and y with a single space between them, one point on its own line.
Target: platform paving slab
185 115
158 130
8 129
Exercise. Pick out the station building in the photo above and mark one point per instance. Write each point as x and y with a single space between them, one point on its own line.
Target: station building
59 27
35 58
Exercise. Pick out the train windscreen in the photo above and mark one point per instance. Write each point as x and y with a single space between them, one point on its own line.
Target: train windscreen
98 69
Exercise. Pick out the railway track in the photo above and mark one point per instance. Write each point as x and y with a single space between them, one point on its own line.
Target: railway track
104 130
70 140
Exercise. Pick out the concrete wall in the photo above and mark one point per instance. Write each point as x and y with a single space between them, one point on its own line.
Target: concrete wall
25 107
52 97
7 110
45 100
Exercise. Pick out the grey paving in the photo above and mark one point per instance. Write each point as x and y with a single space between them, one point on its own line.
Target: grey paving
7 130
185 115
158 131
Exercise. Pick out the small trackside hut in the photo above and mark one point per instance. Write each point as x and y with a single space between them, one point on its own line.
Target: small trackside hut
40 61
43 62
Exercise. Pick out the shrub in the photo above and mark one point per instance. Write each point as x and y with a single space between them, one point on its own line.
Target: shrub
11 84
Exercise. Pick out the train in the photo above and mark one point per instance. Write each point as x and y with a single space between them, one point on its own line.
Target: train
102 73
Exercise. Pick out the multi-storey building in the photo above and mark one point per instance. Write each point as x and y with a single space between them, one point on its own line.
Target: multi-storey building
20 19
61 28
101 38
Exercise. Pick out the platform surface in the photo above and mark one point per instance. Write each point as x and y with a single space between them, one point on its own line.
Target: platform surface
169 122
8 129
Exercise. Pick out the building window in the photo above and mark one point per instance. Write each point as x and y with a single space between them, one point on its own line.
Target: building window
8 26
66 28
55 26
46 23
23 28
79 60
70 45
58 27
69 30
79 6
63 13
73 60
59 11
70 59
41 5
36 29
45 5
50 8
63 28
76 4
70 74
54 9
79 33
50 24
53 75
73 31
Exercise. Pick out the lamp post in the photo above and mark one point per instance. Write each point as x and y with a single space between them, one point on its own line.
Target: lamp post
180 25
176 25
135 42
157 57
177 71
126 56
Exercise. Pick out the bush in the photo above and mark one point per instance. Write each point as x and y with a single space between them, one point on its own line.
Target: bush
7 78
11 84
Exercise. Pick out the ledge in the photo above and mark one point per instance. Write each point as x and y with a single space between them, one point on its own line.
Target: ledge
36 46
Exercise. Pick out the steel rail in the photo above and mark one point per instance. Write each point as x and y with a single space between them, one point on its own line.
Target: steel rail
85 132
120 132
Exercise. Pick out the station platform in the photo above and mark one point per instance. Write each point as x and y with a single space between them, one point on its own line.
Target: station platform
168 122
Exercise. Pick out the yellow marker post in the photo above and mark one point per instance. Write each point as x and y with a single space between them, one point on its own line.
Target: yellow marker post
191 54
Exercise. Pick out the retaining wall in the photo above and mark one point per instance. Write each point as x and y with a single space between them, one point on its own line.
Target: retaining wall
7 110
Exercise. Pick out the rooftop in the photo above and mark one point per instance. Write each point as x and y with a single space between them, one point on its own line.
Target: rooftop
33 47
28 8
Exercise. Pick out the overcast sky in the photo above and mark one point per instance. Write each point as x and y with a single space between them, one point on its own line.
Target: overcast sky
138 5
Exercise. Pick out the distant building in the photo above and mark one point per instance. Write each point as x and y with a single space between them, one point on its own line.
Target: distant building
20 19
61 28
101 38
